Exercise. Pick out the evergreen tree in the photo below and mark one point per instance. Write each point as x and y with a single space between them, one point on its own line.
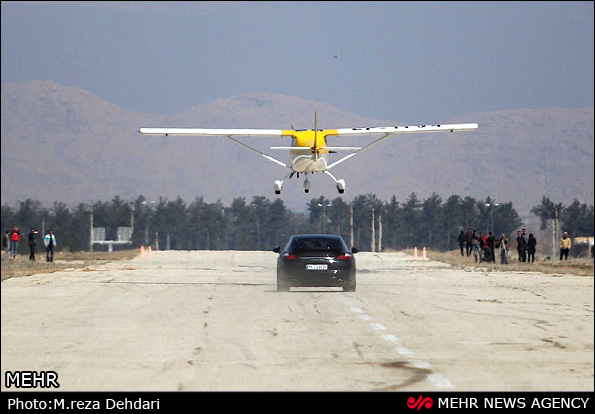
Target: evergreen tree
432 223
577 219
546 211
279 226
409 229
391 221
453 219
241 218
338 218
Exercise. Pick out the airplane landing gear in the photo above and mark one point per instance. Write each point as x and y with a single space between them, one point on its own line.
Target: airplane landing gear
278 185
340 183
306 186
341 186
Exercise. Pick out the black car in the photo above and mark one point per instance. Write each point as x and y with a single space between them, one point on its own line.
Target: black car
316 260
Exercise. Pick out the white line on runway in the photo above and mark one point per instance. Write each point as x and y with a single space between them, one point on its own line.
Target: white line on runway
404 351
390 338
420 364
437 379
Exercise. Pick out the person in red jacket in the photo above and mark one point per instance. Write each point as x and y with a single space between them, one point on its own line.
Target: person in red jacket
14 241
483 245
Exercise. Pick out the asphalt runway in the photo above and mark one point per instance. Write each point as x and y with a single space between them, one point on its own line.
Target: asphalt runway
213 321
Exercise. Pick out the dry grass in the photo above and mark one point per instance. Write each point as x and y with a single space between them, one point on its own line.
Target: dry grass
22 266
574 266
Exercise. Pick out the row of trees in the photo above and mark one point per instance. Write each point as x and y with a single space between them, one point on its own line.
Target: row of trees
577 218
261 224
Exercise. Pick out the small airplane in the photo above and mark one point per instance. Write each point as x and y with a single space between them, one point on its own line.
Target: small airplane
308 152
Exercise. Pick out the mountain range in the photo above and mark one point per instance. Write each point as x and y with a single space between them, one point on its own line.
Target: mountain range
61 143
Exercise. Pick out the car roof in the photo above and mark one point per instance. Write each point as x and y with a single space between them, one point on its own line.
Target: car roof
324 236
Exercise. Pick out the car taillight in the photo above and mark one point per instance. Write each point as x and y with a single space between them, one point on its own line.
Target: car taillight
288 255
345 256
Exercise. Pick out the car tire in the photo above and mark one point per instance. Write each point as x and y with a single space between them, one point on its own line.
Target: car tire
282 285
349 288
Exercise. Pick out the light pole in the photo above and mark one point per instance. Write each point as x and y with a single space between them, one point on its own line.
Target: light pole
491 206
324 206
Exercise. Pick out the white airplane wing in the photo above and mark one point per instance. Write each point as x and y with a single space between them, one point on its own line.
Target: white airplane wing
210 132
407 129
228 133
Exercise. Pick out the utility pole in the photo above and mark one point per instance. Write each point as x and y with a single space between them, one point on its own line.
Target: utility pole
132 208
351 224
379 232
373 242
324 217
89 209
491 207
554 232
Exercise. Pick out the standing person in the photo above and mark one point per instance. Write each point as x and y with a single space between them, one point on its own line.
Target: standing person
32 239
461 240
468 241
503 249
476 247
531 243
521 246
483 247
491 241
565 246
525 240
50 242
6 243
14 241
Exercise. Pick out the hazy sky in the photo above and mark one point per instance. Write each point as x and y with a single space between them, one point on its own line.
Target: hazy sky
413 62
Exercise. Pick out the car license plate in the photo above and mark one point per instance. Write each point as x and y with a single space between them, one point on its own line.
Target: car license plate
316 267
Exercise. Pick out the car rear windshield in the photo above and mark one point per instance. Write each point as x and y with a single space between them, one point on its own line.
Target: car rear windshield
317 244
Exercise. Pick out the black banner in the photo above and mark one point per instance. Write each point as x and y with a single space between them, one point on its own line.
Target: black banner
413 401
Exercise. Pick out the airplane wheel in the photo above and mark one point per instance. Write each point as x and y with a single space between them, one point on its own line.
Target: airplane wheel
306 191
341 191
278 186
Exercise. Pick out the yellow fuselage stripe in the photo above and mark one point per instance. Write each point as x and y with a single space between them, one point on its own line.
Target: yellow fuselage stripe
307 138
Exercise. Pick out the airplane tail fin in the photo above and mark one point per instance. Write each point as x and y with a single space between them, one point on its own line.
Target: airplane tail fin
315 147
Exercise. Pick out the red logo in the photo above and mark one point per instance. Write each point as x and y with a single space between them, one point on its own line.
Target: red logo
420 402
